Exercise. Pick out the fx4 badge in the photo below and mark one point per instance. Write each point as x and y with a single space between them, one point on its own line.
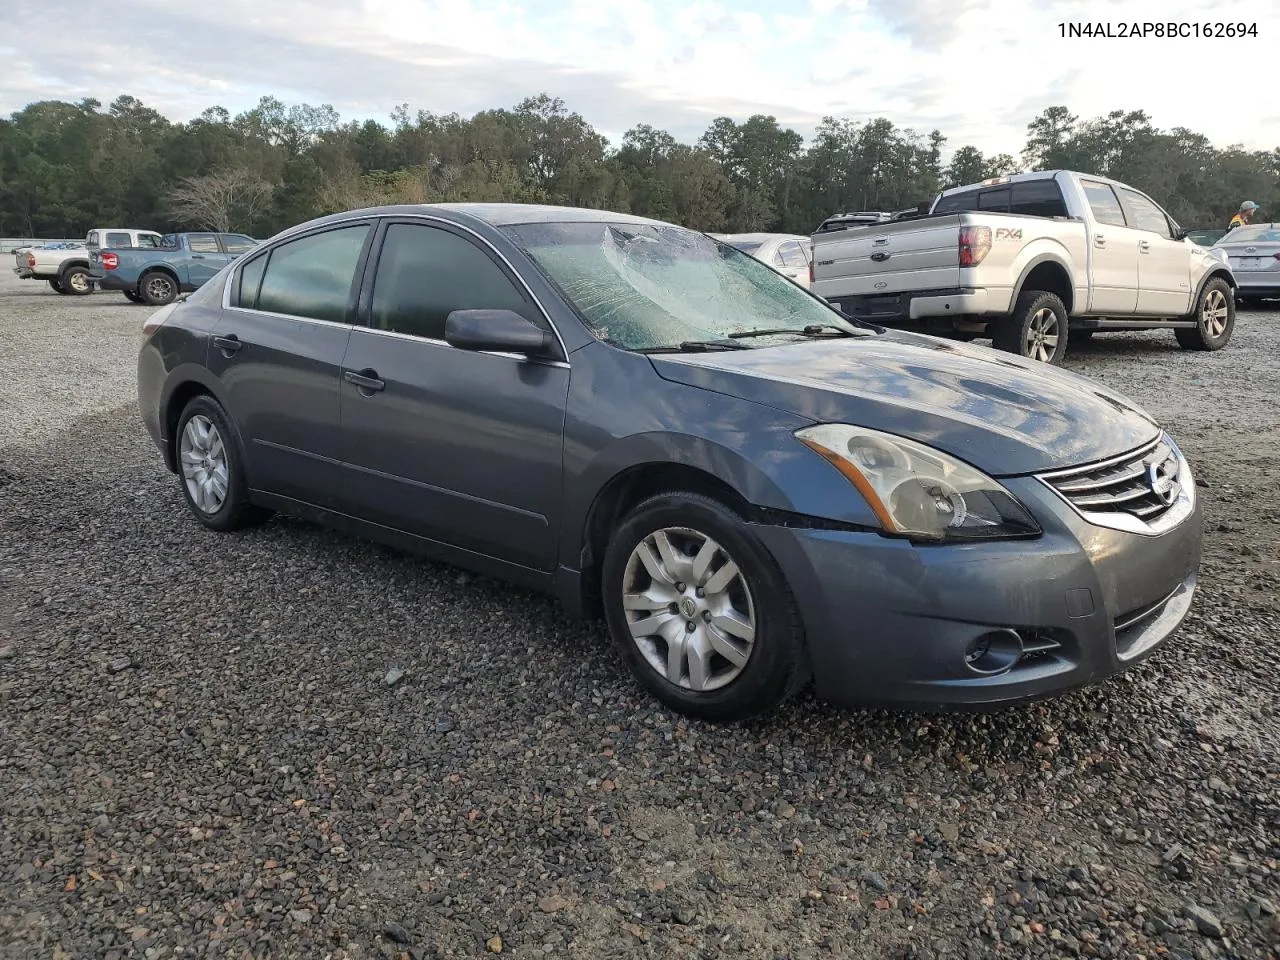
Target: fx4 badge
1004 233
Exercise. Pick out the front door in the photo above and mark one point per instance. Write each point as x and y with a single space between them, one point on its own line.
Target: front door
278 352
453 445
1113 254
1164 264
204 257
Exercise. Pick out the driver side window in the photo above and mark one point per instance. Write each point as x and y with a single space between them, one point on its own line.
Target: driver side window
425 273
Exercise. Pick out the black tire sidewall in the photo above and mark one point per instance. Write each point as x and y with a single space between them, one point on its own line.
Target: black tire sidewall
65 281
231 514
778 654
146 296
1012 332
57 287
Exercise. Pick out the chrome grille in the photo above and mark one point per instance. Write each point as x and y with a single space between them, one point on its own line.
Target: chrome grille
1144 484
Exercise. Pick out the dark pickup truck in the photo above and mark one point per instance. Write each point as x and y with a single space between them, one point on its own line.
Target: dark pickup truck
156 275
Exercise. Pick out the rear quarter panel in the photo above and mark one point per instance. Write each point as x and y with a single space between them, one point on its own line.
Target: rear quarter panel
1018 246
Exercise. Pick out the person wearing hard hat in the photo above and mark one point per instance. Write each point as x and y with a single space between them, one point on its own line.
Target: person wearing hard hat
1244 216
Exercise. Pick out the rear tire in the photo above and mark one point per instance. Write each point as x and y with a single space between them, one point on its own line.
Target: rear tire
211 468
75 281
1036 329
685 559
57 287
1215 319
158 288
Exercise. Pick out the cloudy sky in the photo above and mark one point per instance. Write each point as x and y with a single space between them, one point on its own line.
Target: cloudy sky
978 70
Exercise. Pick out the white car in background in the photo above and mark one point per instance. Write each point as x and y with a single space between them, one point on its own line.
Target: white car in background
787 253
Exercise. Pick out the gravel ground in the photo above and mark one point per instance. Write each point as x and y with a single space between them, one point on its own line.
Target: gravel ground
202 751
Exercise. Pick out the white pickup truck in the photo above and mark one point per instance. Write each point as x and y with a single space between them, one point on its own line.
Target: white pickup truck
1028 260
66 266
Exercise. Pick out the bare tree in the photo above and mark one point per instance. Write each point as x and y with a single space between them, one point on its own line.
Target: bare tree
220 201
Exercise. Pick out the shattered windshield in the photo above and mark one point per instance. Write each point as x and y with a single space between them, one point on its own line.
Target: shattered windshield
644 287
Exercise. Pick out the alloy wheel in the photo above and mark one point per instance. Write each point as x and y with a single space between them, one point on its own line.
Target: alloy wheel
689 609
78 283
1213 314
159 287
1041 341
204 464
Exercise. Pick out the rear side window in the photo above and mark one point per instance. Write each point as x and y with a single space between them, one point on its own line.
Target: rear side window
792 255
1038 198
148 239
118 240
250 281
203 243
92 238
1144 214
425 273
1103 203
235 244
312 276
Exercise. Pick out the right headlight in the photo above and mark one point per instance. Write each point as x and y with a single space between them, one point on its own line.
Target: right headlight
919 492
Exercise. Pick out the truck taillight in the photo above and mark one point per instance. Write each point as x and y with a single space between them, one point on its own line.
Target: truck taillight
975 244
31 261
110 261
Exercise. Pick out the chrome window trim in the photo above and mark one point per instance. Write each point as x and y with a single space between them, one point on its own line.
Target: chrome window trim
226 290
1126 523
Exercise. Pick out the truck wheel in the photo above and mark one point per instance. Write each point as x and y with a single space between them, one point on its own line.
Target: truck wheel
1215 318
158 288
1037 328
75 280
57 287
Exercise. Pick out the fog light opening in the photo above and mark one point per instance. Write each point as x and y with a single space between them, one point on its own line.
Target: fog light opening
993 652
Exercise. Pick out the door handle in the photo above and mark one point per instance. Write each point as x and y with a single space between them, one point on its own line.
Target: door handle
229 344
1099 241
1144 245
197 256
365 380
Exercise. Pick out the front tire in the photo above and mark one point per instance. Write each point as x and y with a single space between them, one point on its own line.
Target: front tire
1215 319
700 611
158 288
210 466
132 296
75 281
1037 328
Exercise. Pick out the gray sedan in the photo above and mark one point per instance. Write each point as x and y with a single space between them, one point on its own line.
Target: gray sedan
1254 253
750 489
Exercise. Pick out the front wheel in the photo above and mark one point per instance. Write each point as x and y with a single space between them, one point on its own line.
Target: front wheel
699 610
1037 328
132 296
158 288
1215 319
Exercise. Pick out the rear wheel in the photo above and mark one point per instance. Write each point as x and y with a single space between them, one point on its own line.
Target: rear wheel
158 288
1037 328
699 610
211 468
1215 319
57 287
75 280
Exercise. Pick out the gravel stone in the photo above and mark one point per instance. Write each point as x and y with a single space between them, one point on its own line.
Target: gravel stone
250 768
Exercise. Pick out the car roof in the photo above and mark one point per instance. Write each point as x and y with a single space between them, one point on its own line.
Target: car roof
758 237
491 214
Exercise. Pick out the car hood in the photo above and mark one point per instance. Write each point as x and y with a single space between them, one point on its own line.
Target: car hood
1000 413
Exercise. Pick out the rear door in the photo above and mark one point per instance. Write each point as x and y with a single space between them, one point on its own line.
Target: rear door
1113 253
791 261
204 257
278 351
1164 264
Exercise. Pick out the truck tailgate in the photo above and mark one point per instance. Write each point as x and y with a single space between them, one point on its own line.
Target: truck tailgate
903 257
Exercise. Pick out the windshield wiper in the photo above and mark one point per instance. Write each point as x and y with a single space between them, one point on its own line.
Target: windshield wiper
812 330
697 346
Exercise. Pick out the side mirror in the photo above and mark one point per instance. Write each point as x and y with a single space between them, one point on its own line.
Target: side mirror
502 331
1181 234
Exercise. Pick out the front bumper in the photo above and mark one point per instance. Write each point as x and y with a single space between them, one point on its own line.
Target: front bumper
889 622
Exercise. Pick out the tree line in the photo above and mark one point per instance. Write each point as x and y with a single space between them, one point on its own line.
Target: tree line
67 167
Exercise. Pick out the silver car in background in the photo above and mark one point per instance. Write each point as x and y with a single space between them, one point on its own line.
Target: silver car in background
787 253
1254 254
